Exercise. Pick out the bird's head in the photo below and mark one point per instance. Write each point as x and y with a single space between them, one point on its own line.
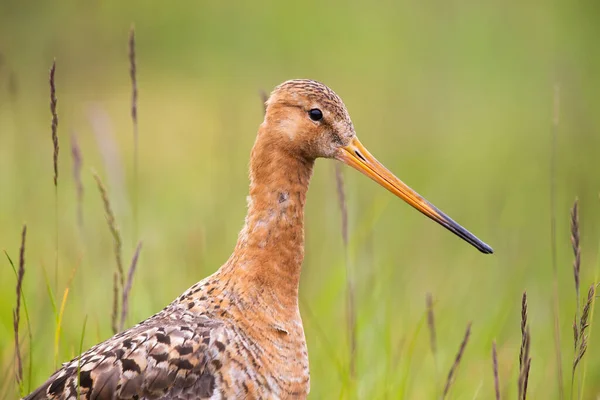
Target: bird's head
307 119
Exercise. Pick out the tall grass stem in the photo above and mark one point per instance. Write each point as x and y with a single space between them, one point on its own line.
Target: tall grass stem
17 312
495 369
55 146
130 274
456 364
134 120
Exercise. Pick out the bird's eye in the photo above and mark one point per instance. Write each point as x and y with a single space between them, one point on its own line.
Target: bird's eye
315 114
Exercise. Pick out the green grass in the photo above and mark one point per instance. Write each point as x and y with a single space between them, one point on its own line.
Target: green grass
456 99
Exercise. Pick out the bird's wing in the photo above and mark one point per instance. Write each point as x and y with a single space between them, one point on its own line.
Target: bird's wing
162 357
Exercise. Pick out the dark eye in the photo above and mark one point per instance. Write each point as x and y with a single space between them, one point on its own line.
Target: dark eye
315 114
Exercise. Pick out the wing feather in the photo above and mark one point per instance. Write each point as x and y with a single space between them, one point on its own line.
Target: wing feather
165 356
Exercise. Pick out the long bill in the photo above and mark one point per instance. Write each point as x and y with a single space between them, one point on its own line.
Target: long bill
358 157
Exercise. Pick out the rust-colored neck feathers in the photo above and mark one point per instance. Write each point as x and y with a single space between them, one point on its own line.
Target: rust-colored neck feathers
270 247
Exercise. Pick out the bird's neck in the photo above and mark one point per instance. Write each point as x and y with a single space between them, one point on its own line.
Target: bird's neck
270 248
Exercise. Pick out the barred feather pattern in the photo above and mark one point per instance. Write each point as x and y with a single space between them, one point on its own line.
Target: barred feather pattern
190 350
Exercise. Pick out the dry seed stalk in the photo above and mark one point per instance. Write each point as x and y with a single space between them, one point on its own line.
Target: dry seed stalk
17 310
525 365
575 332
134 119
576 248
526 379
114 229
134 88
54 129
431 323
125 299
524 335
119 280
77 166
583 325
495 366
524 359
53 104
115 305
457 360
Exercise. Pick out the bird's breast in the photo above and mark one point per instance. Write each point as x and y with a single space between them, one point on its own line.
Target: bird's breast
268 360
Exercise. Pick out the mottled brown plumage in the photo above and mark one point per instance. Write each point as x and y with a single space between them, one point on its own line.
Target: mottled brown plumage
238 333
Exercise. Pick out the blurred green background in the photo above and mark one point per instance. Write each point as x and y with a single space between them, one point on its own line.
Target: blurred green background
455 97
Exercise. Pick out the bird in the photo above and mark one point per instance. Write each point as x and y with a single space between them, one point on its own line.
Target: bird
238 333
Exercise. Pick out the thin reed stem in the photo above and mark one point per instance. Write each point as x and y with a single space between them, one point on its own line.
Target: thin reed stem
592 308
17 312
114 229
524 336
119 278
495 368
53 106
578 334
134 120
526 379
575 331
54 129
524 365
583 337
524 359
115 305
455 365
431 323
432 335
576 252
125 297
77 167
27 320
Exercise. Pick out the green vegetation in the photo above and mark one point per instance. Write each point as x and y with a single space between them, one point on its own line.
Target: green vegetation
456 98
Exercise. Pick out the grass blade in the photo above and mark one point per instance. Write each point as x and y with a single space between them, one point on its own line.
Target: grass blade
61 312
50 293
